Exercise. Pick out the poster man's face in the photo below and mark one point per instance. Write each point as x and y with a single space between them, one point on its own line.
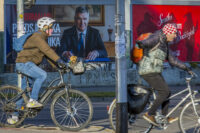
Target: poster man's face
81 21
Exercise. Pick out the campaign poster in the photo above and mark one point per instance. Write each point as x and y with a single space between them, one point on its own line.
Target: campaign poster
64 16
149 18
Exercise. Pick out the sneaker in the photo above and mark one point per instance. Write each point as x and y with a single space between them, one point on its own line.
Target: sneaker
172 119
150 118
12 120
33 104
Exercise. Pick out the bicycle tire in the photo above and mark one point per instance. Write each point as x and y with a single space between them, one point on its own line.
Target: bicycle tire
8 92
112 115
77 99
187 114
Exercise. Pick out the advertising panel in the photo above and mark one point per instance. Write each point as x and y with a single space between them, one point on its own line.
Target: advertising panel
149 18
30 18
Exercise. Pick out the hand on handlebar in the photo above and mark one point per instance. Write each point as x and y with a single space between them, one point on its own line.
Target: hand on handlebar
61 64
192 73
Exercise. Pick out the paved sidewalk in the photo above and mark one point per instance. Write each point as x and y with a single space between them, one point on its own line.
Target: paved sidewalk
43 129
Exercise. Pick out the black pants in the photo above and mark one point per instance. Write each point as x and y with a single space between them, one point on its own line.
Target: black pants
157 82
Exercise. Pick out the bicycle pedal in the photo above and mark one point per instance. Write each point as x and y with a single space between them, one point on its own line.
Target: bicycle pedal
161 127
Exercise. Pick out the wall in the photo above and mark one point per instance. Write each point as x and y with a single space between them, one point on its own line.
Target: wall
105 76
109 21
101 74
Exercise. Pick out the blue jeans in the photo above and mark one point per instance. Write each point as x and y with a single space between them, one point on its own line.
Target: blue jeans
36 76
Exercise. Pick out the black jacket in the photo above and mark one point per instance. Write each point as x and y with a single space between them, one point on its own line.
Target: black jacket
69 42
154 39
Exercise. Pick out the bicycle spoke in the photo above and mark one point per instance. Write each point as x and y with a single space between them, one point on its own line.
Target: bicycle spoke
75 121
59 116
4 96
61 105
189 117
2 102
64 99
2 117
76 99
65 116
82 118
82 104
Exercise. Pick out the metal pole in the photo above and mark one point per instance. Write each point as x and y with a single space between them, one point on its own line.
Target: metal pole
121 69
20 26
128 29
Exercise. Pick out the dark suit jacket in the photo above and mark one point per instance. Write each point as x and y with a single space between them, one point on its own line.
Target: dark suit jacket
69 42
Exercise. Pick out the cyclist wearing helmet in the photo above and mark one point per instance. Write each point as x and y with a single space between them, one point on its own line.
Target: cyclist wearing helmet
35 49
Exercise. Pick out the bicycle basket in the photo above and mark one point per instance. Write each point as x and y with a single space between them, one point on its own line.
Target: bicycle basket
138 97
77 67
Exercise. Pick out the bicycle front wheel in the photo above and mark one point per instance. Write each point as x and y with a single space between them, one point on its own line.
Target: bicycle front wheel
78 116
8 106
189 120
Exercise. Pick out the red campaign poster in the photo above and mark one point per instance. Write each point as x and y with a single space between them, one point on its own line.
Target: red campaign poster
149 18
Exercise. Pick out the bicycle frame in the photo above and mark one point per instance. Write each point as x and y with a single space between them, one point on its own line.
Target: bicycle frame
190 94
50 90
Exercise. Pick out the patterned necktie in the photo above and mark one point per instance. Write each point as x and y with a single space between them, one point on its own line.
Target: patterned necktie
80 46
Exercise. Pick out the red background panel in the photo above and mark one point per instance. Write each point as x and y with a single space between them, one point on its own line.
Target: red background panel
149 18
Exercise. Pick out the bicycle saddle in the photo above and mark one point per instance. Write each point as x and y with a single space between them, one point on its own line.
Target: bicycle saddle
23 74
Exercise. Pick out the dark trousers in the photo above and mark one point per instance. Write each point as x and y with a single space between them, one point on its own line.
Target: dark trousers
157 82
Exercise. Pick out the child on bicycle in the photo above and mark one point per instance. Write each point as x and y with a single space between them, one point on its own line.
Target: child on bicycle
34 50
151 66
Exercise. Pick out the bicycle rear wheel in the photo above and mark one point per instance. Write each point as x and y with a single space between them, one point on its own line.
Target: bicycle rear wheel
138 125
112 115
79 117
8 106
189 121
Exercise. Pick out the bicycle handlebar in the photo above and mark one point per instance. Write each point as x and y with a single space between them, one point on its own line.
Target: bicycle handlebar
192 75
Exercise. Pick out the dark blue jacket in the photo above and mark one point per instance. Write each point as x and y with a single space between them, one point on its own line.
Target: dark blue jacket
69 42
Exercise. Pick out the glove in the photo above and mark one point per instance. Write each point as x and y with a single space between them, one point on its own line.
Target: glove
190 71
61 64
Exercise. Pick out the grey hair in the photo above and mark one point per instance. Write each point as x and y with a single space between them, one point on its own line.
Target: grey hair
81 9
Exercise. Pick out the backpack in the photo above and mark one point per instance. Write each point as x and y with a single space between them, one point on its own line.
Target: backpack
19 42
137 52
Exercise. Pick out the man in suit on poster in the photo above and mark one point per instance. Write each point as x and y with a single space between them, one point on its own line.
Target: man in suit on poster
82 40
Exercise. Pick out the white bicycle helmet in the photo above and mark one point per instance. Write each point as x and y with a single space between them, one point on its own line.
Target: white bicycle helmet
44 21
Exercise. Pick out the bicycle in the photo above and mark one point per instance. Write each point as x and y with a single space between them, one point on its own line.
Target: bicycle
70 109
189 119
